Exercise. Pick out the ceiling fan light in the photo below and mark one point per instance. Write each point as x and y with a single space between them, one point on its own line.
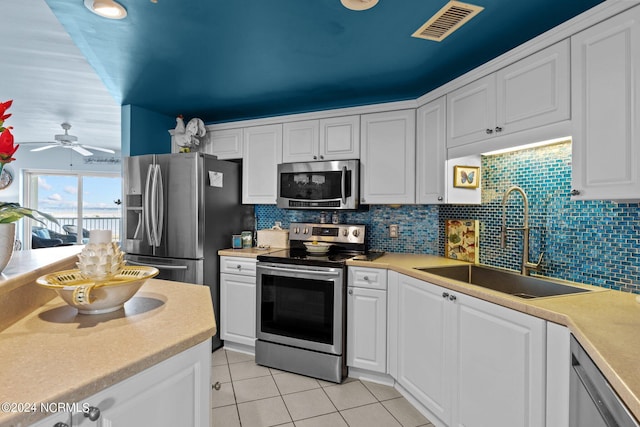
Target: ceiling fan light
109 9
359 4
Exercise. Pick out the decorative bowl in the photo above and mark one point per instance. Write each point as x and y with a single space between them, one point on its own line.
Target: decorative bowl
94 296
317 247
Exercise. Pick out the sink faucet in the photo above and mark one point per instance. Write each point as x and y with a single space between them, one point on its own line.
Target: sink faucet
526 265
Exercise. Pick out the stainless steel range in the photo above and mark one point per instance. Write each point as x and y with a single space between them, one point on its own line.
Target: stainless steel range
301 301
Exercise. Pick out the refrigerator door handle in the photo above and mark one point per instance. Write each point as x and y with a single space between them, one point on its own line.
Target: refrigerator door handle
154 207
147 205
160 206
159 266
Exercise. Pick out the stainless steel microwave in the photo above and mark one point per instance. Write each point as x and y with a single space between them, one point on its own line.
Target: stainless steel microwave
329 185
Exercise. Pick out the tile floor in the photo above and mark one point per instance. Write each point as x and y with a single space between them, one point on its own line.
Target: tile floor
254 396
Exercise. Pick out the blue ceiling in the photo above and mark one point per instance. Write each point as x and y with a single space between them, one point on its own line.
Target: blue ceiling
224 60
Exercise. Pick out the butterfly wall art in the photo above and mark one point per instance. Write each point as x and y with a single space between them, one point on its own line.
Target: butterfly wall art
466 176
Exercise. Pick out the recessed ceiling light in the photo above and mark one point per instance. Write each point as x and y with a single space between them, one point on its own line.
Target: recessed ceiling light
109 9
359 4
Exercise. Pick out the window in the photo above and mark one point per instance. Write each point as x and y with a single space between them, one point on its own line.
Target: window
79 201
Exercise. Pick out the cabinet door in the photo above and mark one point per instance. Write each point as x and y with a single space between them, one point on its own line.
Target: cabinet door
262 154
367 329
499 369
175 392
226 144
471 112
431 153
605 88
340 138
423 346
300 141
238 308
387 157
535 90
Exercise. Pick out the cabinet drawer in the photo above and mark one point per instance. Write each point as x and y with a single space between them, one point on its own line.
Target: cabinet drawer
238 265
372 278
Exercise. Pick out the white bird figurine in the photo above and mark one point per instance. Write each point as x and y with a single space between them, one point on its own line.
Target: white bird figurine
188 136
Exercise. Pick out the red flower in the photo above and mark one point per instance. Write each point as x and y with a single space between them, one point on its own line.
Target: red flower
7 148
4 106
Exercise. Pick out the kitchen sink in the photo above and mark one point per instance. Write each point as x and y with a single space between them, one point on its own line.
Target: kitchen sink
504 281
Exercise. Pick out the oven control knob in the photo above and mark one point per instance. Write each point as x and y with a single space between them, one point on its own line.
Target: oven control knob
305 231
296 230
355 233
345 232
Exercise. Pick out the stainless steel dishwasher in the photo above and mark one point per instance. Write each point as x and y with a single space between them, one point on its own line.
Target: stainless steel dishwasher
593 403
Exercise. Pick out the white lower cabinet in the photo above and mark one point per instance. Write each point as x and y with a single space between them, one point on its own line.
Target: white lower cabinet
238 300
367 319
175 392
468 361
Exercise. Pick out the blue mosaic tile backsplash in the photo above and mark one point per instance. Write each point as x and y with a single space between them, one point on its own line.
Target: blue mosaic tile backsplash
593 242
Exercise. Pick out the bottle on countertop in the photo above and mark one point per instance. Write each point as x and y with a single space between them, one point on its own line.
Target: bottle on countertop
335 218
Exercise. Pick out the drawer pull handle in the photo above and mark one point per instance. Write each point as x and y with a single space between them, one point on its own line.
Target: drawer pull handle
445 295
452 298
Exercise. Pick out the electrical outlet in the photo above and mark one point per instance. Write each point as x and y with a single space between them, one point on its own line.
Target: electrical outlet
393 230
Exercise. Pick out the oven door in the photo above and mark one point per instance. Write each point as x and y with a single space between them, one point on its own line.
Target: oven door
301 306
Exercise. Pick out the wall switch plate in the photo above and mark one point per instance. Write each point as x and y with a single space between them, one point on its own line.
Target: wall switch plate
393 230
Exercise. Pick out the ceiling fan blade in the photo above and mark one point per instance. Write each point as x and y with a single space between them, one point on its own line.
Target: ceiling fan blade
106 150
81 150
46 147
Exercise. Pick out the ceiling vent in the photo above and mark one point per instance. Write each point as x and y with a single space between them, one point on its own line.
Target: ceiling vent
448 19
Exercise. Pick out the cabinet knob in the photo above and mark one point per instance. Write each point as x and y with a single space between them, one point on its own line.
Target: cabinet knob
489 131
239 267
445 295
440 198
366 278
217 386
321 157
93 413
350 291
452 298
61 424
575 192
315 157
498 129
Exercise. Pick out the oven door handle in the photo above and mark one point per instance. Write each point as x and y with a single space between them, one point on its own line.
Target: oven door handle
296 270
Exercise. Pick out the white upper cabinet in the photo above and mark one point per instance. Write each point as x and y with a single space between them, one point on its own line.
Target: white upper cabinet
387 157
300 141
336 138
262 153
530 93
340 138
431 153
471 112
605 60
226 144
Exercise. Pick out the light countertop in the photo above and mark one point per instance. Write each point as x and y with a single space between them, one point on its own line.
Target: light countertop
54 354
248 252
606 322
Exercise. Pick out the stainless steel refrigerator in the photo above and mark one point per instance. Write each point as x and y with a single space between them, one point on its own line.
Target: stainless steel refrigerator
180 209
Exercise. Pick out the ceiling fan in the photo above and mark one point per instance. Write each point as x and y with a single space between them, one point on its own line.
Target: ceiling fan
69 141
